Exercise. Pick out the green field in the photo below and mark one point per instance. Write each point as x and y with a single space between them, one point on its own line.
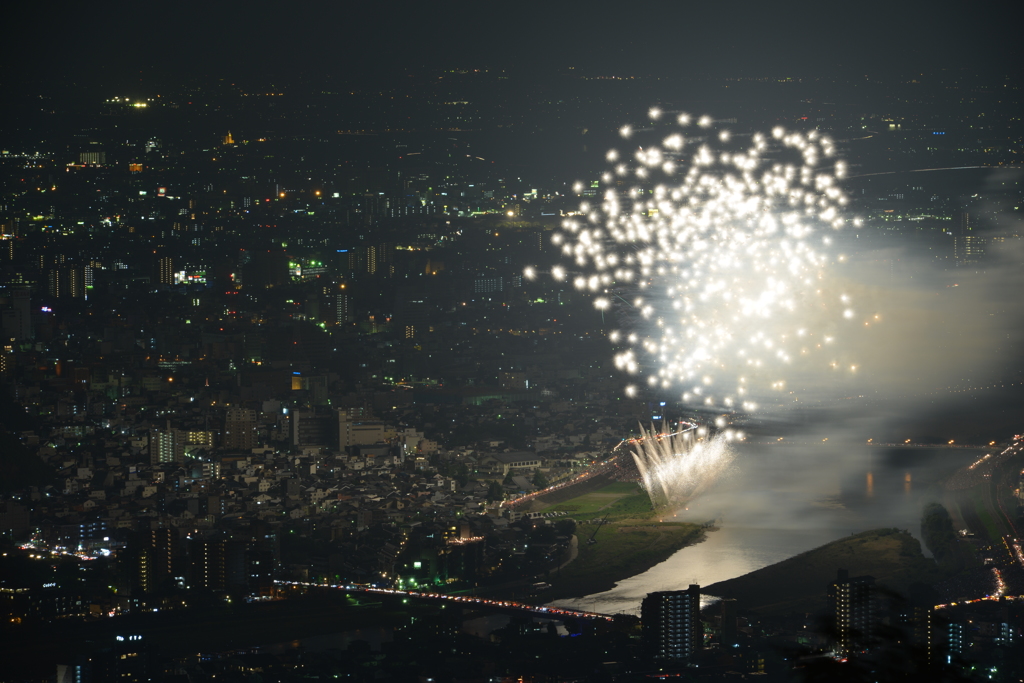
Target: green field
618 500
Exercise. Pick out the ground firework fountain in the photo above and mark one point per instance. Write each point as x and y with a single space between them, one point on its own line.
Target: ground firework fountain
676 467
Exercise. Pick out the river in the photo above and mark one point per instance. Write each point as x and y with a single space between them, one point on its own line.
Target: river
778 501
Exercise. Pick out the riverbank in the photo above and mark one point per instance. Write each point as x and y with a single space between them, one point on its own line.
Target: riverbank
799 583
620 550
619 536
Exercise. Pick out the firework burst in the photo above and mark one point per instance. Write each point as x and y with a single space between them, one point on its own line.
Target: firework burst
713 249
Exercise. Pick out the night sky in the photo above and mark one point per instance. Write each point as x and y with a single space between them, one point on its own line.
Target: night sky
116 42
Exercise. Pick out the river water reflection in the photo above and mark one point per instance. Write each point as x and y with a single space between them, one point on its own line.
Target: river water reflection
777 502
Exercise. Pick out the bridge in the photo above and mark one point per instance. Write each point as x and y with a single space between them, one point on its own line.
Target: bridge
872 444
466 600
907 444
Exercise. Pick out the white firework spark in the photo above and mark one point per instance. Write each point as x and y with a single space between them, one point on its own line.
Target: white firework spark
674 468
714 244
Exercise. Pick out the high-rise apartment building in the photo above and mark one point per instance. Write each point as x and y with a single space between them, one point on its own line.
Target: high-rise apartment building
16 312
921 629
671 623
165 270
69 282
6 360
372 259
153 558
197 438
342 304
315 428
488 285
209 563
240 429
852 606
92 158
166 446
413 312
6 247
969 246
729 627
333 303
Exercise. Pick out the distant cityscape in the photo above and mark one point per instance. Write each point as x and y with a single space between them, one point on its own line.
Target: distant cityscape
270 347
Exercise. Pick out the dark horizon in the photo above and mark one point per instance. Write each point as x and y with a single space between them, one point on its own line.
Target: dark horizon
117 43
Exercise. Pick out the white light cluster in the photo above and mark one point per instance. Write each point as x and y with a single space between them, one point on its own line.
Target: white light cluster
711 245
674 468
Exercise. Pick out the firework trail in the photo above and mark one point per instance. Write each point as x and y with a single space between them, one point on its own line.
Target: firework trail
715 245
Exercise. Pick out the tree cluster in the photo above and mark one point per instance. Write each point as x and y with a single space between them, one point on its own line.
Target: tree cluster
939 535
